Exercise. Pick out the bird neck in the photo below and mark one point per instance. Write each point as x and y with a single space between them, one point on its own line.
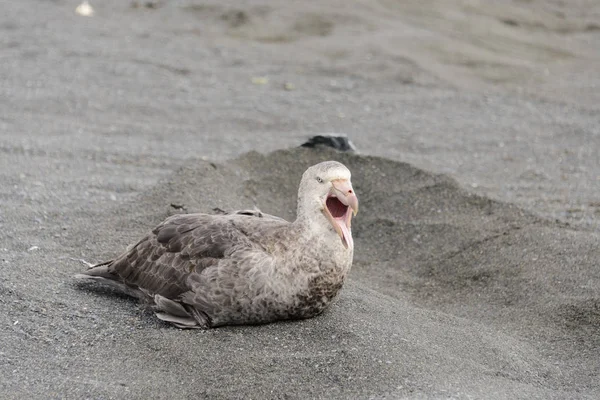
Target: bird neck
313 225
309 211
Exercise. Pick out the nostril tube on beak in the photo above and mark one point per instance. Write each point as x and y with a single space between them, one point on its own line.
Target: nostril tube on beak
345 193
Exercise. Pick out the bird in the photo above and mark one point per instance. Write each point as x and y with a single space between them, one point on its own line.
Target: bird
246 267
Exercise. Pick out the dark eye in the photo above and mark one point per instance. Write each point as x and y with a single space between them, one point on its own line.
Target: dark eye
319 179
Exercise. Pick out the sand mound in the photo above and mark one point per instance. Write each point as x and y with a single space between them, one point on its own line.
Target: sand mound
451 295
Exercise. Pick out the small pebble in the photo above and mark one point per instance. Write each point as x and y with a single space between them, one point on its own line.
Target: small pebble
260 80
85 9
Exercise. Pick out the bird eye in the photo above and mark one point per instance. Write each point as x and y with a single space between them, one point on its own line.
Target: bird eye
319 179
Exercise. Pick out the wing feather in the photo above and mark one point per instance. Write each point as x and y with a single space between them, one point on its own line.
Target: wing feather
182 245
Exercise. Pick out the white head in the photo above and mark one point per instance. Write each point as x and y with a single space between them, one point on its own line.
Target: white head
326 197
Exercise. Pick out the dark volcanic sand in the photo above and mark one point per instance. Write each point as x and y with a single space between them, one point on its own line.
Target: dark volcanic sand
106 121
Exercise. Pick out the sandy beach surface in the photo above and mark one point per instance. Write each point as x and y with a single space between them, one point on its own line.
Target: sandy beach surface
476 270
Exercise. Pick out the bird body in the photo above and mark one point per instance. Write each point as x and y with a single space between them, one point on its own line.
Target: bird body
245 267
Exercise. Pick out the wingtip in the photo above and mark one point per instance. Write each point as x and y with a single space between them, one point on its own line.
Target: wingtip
83 276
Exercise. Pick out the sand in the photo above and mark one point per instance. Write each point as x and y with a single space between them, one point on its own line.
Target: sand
477 123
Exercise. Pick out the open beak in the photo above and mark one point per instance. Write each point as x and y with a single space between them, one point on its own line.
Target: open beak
344 192
340 205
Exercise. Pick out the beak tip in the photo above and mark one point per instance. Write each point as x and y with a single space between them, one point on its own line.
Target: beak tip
354 206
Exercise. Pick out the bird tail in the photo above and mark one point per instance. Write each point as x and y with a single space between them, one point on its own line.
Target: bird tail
181 315
101 273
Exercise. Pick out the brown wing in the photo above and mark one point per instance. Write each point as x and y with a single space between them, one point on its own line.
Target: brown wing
182 245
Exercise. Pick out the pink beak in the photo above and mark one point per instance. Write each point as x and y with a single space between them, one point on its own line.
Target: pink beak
345 194
342 190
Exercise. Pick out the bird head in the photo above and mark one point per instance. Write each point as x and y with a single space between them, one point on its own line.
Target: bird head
326 192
